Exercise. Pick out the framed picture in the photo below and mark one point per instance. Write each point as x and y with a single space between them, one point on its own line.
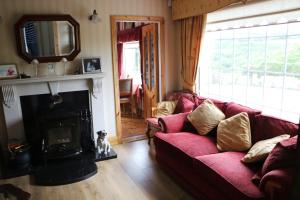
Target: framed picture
91 65
8 71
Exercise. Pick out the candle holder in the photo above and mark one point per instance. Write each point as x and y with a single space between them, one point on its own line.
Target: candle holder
64 60
35 63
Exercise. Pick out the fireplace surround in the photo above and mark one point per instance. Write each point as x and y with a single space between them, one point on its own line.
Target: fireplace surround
59 117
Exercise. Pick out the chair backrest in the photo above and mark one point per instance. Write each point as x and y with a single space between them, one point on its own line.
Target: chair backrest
125 86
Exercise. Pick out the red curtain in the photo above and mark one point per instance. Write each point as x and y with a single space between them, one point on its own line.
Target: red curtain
128 35
120 58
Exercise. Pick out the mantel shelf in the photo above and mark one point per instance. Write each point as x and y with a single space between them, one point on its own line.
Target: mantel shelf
51 79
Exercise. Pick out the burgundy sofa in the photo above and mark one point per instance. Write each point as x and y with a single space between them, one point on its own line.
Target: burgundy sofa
195 162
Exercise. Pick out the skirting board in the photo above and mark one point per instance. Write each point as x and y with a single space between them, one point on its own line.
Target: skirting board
113 139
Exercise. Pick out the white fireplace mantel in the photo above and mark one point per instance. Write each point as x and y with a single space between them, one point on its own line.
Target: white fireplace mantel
13 89
51 79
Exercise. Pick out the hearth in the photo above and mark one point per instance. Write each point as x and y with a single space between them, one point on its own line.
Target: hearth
59 131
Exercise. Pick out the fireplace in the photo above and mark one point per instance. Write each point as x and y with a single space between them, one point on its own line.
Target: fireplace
59 128
59 131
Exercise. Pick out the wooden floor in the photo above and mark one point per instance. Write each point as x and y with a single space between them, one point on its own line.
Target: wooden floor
133 175
133 128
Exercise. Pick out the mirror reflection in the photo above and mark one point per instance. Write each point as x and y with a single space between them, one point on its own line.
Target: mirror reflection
48 38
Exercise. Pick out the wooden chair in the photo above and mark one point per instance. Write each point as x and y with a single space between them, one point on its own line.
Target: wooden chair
125 86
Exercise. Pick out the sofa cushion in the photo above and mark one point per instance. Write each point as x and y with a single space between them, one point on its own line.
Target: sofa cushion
283 155
164 108
186 176
261 149
234 108
206 117
185 146
267 127
220 104
229 174
233 134
184 105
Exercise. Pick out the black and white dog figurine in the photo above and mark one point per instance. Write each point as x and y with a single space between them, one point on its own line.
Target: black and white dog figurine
103 145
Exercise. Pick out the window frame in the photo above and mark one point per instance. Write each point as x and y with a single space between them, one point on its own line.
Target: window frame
265 72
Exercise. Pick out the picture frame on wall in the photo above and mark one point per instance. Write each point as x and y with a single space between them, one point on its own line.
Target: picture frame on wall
91 65
8 71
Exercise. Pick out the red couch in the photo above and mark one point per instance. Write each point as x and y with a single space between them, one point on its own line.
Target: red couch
195 162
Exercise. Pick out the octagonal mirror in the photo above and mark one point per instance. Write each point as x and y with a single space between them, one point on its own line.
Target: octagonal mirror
47 38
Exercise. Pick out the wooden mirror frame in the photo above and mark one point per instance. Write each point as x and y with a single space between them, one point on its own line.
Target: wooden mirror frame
20 40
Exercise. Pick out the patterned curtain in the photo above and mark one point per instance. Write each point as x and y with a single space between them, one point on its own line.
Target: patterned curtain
191 34
120 58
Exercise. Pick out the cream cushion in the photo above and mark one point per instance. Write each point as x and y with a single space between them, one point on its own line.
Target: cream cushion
261 149
234 134
206 117
164 108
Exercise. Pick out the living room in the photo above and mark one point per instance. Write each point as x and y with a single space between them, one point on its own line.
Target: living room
210 112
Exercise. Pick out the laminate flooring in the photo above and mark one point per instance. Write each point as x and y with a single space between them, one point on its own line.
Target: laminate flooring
134 175
133 128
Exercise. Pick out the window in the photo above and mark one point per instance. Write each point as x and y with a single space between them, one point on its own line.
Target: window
132 62
255 66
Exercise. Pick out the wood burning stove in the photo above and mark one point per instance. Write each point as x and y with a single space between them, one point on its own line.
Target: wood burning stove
60 136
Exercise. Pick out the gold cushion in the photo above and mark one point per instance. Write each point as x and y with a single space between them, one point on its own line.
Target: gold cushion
234 133
206 117
261 149
164 108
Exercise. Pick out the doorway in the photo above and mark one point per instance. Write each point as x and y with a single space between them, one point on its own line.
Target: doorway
138 66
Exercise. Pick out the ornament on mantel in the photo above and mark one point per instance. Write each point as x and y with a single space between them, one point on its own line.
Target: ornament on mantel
64 60
35 63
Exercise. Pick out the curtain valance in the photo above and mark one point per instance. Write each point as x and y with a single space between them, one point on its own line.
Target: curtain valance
129 35
188 8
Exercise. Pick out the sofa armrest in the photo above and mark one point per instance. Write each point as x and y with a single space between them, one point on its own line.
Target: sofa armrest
173 123
276 183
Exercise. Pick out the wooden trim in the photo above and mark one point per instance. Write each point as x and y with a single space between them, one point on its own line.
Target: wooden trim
134 138
188 8
118 18
113 140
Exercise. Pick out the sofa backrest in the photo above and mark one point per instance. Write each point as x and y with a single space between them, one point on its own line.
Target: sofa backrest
267 127
220 104
234 109
174 96
262 126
